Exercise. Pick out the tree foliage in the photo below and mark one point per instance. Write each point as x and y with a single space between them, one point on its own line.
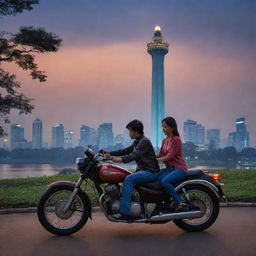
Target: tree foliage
20 48
12 7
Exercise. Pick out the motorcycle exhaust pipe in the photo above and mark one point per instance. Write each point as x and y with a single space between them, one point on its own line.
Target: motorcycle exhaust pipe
176 215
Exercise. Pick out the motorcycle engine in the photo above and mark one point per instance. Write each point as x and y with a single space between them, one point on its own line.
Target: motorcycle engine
113 191
135 208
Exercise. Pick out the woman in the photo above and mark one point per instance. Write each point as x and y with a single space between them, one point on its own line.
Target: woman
171 155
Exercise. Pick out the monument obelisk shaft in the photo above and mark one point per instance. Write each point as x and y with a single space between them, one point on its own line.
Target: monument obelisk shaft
157 49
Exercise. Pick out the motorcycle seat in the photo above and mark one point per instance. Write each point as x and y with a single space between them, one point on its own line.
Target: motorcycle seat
190 175
193 174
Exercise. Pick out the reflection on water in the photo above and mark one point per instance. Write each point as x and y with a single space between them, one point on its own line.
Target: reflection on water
11 171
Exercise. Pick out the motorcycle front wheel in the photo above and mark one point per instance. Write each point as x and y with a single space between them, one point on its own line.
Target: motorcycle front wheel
51 214
204 198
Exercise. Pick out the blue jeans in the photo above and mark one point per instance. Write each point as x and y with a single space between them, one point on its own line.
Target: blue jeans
171 176
129 182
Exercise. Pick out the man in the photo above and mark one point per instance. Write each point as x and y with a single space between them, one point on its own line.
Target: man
147 169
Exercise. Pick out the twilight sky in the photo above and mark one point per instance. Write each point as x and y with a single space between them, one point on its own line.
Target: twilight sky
102 73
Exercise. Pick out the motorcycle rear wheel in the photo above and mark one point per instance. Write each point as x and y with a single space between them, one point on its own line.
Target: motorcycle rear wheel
207 201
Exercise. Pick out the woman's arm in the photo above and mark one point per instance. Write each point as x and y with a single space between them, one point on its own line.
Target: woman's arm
175 148
160 153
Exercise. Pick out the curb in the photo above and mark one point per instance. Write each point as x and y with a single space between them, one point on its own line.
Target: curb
238 204
97 208
32 209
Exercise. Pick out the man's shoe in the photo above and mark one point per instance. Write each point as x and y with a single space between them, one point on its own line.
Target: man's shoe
120 216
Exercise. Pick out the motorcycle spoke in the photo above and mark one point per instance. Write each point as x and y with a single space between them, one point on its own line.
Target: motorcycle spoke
54 210
203 201
79 210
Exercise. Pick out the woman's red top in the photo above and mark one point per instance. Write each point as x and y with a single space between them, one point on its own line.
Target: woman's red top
171 152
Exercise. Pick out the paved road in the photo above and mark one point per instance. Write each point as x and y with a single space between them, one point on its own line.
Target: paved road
234 233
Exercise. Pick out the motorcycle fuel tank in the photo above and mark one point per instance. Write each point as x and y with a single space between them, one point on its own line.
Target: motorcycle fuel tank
112 173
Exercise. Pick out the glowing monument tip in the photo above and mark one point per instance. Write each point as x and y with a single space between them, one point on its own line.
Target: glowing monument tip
157 28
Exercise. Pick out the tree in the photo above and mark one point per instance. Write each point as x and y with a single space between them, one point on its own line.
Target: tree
203 155
230 154
12 7
20 48
212 145
189 149
216 154
248 154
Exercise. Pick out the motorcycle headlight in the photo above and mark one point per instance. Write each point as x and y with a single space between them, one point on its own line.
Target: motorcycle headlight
82 163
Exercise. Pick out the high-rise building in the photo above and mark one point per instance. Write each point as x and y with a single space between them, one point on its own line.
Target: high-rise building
242 135
105 135
45 145
127 140
157 49
119 139
200 134
93 140
194 132
85 132
189 131
37 134
68 139
58 136
247 139
5 143
88 136
213 135
232 139
17 136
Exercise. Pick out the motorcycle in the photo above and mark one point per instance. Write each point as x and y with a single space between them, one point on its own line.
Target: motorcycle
66 207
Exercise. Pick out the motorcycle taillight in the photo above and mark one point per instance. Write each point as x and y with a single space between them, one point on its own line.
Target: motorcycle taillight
215 176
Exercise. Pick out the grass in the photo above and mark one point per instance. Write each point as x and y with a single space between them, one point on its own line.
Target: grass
26 192
240 185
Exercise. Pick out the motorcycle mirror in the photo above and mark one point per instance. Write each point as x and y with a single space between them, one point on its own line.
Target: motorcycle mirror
89 152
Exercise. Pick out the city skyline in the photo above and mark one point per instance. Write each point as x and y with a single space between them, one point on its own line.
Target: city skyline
209 76
104 136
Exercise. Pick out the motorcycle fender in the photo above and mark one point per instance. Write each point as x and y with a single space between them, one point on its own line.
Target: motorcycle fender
61 183
201 182
73 185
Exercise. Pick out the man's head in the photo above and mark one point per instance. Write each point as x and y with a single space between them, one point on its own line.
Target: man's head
135 129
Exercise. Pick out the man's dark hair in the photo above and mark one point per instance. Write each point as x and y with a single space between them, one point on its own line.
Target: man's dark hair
136 126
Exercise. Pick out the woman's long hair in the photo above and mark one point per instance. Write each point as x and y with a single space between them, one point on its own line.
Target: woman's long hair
170 121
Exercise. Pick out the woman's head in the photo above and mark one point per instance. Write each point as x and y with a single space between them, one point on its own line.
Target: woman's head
170 126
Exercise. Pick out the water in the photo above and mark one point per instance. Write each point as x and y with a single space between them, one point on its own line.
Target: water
11 171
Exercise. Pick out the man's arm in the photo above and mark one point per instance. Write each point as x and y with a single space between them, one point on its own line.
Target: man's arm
140 150
113 154
122 152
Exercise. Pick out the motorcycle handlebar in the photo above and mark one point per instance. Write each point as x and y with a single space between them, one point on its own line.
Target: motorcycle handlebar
96 159
100 157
